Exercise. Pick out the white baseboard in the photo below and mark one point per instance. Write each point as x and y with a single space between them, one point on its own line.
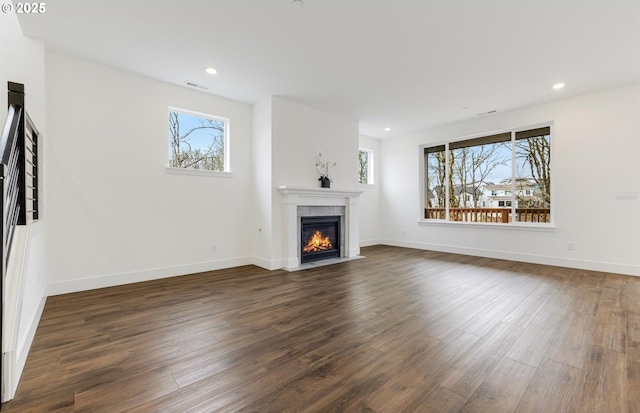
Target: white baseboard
24 347
64 287
530 258
267 264
17 358
111 280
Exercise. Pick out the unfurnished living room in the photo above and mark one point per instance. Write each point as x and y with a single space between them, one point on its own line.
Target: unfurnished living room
320 206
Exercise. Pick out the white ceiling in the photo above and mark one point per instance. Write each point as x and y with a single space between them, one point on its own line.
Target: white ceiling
403 64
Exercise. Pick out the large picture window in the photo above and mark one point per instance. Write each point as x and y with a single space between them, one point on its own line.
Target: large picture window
198 141
501 178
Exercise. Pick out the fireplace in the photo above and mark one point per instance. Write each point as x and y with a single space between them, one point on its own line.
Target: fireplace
319 238
318 202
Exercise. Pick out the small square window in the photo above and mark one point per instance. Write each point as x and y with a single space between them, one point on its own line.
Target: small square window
198 141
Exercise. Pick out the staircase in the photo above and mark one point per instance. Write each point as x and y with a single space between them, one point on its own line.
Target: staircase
18 208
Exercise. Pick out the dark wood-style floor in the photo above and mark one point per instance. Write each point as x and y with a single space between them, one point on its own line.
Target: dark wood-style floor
400 331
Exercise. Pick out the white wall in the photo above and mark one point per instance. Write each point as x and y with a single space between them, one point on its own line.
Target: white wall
596 152
115 215
299 133
22 60
370 230
262 185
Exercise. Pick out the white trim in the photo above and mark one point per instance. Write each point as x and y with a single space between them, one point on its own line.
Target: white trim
292 197
370 242
16 346
24 347
111 280
518 226
197 172
319 192
227 131
14 360
603 266
267 264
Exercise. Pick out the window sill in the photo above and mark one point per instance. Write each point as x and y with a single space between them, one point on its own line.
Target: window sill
197 172
492 225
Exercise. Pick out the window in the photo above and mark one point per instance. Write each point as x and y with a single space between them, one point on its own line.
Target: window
198 141
481 179
365 166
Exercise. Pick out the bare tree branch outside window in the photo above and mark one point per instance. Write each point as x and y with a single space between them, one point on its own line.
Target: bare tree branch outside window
363 164
196 142
476 180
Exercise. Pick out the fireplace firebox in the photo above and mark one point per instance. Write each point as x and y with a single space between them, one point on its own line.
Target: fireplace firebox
319 238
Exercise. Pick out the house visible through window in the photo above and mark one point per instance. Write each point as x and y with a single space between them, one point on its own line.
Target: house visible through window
365 166
503 178
198 141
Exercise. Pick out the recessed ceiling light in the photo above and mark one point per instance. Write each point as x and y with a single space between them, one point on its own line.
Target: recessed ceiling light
211 71
558 86
387 129
297 4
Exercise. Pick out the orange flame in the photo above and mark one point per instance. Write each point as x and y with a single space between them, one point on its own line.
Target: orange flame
317 243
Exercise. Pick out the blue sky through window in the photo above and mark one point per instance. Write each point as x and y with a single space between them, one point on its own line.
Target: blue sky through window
199 139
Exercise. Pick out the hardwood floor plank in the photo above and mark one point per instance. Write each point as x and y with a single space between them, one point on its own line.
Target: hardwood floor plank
528 308
124 394
611 323
572 343
436 399
633 376
555 387
422 371
469 371
319 380
532 345
605 387
401 330
502 390
633 310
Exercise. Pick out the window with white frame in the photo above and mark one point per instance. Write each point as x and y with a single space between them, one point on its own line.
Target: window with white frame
502 178
198 141
365 166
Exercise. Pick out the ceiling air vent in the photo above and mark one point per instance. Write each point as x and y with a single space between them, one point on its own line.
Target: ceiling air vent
196 86
491 112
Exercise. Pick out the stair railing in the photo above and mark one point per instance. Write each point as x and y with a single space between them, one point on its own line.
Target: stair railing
12 181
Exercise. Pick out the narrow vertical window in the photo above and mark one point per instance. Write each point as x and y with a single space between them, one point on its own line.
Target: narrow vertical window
365 166
435 191
533 175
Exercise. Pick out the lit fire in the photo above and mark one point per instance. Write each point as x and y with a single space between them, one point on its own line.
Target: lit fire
317 243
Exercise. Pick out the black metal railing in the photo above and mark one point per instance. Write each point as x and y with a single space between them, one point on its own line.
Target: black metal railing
18 181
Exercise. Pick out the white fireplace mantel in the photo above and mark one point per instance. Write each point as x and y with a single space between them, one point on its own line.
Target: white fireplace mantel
292 197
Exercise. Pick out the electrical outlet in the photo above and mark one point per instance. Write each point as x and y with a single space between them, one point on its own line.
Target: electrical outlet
214 248
571 246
